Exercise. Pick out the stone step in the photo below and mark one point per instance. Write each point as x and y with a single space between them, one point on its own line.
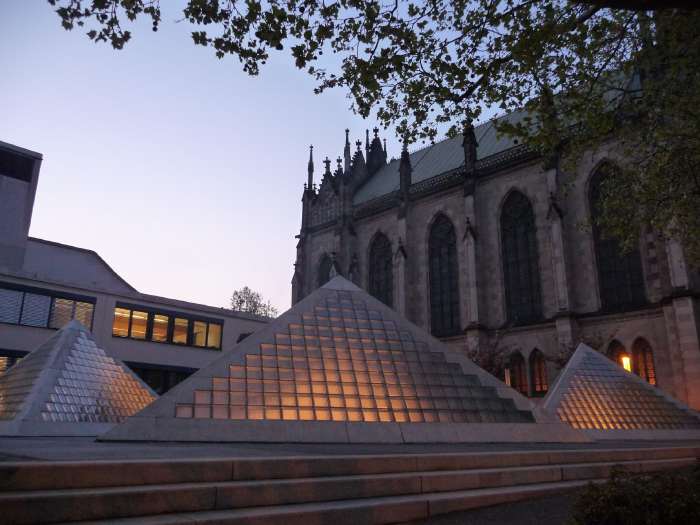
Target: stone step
48 506
42 475
367 511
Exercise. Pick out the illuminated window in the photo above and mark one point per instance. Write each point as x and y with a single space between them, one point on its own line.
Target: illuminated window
139 324
620 276
618 353
160 328
538 373
643 361
180 329
381 266
120 325
214 337
520 269
83 313
61 313
444 287
199 333
518 378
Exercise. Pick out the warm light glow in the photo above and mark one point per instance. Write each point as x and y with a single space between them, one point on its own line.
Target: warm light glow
626 363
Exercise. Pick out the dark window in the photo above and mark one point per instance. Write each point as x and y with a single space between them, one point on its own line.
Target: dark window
160 379
148 324
520 269
620 276
381 274
538 373
516 374
643 361
324 270
444 287
30 306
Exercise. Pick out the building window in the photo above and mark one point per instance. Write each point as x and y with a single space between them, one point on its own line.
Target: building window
520 269
180 331
381 274
516 373
324 270
165 327
538 373
7 362
643 361
139 324
444 286
620 276
159 379
160 328
43 308
619 354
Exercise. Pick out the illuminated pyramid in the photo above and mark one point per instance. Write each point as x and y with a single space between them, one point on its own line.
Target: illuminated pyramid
341 367
596 395
69 386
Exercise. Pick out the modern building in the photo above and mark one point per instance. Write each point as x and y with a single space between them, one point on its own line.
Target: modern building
480 241
44 285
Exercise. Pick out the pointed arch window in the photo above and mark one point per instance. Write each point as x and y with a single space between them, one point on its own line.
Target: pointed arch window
444 284
324 270
517 378
381 273
643 361
620 276
618 353
520 268
538 373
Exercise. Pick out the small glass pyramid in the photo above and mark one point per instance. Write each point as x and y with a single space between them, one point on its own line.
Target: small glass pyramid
69 383
594 393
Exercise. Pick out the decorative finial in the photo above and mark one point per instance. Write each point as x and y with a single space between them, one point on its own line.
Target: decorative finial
376 131
359 145
385 145
347 136
340 162
311 167
327 162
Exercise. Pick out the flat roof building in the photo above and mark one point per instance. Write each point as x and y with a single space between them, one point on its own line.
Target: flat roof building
45 284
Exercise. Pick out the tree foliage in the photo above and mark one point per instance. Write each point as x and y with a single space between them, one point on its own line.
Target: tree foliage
249 301
579 74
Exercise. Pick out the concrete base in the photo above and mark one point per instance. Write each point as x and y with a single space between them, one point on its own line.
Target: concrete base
51 429
212 430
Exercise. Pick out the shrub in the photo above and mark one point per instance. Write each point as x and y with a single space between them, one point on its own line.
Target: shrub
629 499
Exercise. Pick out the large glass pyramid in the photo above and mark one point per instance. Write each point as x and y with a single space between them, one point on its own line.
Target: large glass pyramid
338 366
69 386
596 395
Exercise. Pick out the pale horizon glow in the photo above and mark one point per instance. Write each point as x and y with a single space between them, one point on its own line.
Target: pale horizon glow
181 171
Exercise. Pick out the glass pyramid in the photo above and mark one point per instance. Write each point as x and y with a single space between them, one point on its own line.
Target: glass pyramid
69 385
594 393
341 367
345 361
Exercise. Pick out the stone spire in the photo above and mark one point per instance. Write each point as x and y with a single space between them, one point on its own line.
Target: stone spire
469 144
339 168
310 183
376 157
366 143
405 170
347 153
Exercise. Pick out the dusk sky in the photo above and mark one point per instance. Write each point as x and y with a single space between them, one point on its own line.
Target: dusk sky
181 171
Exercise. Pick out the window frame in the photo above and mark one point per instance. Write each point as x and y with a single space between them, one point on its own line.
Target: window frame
172 315
449 309
52 295
518 229
380 272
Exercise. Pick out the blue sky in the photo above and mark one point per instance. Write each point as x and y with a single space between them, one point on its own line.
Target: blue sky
181 171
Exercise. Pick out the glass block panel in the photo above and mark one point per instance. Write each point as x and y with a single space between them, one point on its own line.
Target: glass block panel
10 305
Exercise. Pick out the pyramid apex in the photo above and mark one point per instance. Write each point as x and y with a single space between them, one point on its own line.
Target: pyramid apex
341 283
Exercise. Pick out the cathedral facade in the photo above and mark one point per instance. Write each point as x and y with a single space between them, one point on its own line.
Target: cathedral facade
486 245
